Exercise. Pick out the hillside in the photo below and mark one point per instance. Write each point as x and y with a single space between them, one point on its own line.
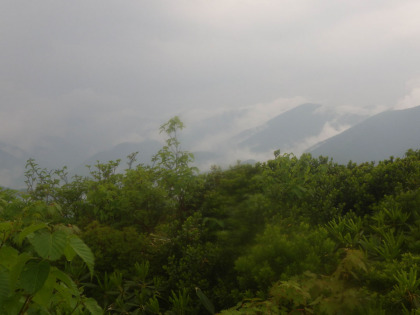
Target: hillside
291 128
376 138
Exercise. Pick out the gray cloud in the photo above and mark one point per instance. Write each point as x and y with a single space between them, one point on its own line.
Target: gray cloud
107 71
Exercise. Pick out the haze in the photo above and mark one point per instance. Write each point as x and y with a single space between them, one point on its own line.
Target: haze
97 73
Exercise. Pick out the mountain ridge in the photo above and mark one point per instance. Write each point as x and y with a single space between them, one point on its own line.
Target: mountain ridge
390 133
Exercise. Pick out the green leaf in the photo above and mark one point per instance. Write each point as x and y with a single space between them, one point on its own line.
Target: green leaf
93 307
49 246
34 276
5 230
6 226
4 284
69 252
205 301
83 251
18 267
12 305
44 296
28 230
65 278
8 256
64 296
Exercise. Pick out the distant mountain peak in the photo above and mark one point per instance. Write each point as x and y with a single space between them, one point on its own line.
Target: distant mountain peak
392 132
294 126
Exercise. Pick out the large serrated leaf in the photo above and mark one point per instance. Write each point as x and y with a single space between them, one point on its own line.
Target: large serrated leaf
83 251
34 275
49 245
28 230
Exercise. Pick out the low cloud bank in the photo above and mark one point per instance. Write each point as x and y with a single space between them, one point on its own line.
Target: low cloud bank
412 98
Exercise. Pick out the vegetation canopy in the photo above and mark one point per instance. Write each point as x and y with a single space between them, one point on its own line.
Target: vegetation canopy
292 235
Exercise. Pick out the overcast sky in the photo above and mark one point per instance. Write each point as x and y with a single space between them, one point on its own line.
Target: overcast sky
105 71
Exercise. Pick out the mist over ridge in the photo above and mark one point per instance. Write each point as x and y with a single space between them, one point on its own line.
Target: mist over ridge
224 137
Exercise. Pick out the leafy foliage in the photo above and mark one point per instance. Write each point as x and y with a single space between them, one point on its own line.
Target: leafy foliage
290 235
31 256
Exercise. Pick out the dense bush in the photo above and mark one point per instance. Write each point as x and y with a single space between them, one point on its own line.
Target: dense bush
284 250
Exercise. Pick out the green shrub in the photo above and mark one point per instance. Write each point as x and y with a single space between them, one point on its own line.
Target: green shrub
284 250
